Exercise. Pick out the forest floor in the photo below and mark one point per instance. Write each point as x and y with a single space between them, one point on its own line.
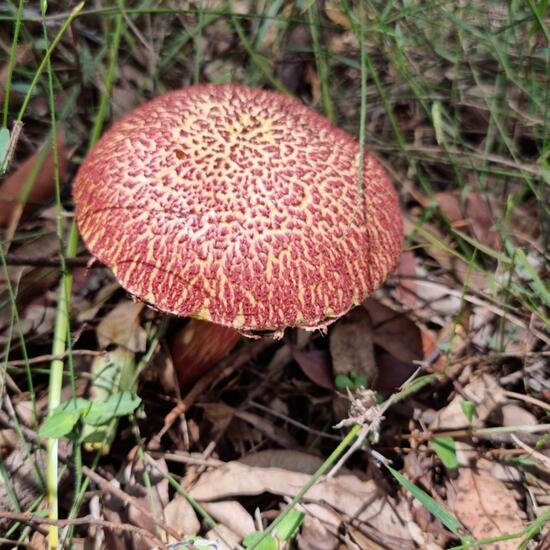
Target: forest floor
453 448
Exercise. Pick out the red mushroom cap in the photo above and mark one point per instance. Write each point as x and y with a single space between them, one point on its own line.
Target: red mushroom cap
239 206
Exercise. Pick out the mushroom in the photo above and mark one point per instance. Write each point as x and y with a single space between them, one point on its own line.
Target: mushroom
238 206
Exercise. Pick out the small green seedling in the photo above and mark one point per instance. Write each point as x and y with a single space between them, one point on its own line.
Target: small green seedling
63 419
353 381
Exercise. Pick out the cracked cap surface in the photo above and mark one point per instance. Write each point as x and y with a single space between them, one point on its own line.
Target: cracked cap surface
239 206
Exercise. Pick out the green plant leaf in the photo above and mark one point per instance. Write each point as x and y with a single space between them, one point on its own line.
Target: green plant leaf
359 380
59 424
252 541
343 381
63 418
119 404
444 516
446 451
112 373
290 525
469 409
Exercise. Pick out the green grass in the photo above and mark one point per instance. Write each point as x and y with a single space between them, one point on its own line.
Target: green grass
448 105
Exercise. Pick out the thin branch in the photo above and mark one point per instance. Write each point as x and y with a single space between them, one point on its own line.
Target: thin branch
29 519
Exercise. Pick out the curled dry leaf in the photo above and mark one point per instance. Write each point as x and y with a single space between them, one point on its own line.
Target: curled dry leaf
484 504
42 188
316 366
346 493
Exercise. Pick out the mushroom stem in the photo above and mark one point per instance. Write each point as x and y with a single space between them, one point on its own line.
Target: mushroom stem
198 347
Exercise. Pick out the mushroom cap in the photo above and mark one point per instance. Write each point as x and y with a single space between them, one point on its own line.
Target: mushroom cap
239 206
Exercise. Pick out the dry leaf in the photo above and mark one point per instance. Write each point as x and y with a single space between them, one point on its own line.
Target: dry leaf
297 461
346 493
132 481
406 289
351 348
180 515
294 63
44 185
472 216
483 504
395 332
314 535
512 414
30 282
219 414
484 391
121 327
225 537
232 514
316 365
21 55
337 16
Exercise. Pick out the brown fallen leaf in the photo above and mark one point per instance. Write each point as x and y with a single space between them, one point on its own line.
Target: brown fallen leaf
181 516
121 327
350 342
220 414
153 497
316 536
232 514
34 176
406 289
21 55
395 332
348 494
297 461
30 283
402 344
483 504
225 538
316 365
484 391
294 62
472 216
427 235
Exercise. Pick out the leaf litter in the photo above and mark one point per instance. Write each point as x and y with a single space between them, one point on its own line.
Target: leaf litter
459 333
